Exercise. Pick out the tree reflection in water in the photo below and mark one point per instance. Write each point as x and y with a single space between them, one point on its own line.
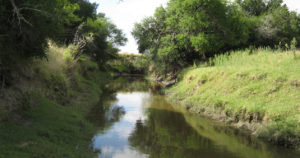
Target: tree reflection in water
135 123
166 134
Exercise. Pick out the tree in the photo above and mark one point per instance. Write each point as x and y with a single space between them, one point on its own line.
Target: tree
100 38
253 7
86 10
26 26
279 25
258 7
187 30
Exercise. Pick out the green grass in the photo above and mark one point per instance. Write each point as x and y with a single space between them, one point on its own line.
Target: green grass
46 128
53 99
53 131
263 87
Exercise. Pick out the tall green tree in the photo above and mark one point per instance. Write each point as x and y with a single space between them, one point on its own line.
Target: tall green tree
191 29
258 7
277 26
101 39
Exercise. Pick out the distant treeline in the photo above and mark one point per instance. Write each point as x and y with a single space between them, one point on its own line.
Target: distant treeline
188 30
26 27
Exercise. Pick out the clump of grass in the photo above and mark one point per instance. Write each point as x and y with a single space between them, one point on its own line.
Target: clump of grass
293 46
263 85
53 98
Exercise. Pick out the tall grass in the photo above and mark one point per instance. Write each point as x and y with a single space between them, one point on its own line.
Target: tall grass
52 99
263 85
262 59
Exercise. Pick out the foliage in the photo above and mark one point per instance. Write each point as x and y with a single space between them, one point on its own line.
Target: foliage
86 10
258 7
25 28
293 46
129 63
276 26
46 113
189 30
105 36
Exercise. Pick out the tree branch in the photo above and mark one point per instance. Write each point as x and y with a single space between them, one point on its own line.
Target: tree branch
17 13
33 9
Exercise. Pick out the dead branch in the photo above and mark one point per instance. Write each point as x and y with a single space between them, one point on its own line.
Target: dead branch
18 15
80 41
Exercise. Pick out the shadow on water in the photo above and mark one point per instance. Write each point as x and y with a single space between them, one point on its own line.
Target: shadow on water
136 123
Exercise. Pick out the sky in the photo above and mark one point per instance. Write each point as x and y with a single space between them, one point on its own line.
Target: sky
128 12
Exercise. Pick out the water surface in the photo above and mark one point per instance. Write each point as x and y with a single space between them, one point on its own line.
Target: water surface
136 123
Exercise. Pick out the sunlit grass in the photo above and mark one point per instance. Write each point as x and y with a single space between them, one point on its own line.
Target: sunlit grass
264 84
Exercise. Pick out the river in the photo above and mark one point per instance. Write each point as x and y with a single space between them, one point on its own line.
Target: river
136 122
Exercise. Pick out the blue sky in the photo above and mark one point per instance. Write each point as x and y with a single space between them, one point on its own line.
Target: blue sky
125 14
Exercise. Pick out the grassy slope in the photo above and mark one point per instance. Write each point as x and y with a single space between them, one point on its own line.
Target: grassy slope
260 92
49 120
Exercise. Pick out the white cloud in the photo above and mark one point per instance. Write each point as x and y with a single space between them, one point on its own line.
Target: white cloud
128 153
293 5
125 14
106 151
133 104
134 115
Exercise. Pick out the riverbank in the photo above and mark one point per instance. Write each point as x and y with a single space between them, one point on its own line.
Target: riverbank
258 92
44 106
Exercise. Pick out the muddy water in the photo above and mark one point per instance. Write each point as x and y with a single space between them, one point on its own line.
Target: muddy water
136 123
